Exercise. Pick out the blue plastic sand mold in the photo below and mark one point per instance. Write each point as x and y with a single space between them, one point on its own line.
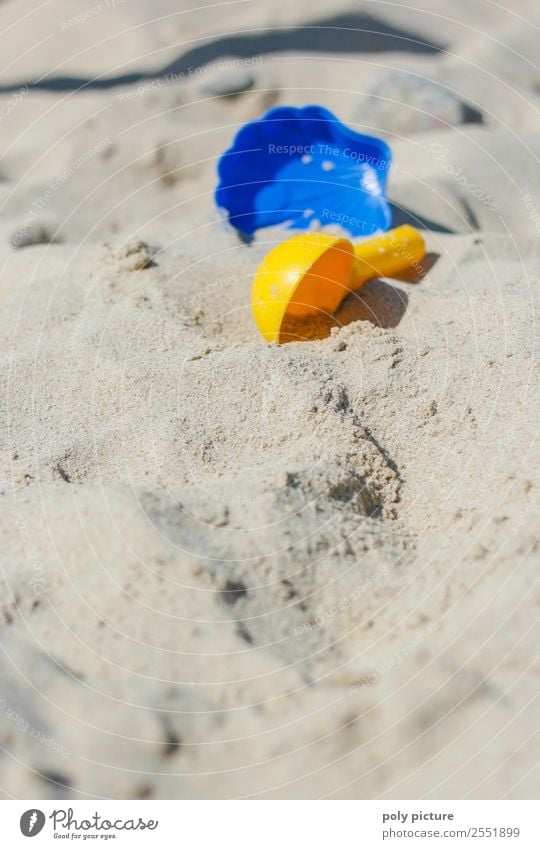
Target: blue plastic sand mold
303 167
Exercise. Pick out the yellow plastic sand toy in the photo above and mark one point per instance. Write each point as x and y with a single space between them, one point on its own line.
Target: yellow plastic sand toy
314 272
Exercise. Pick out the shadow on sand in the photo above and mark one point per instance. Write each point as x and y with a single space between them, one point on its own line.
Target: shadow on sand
347 33
378 302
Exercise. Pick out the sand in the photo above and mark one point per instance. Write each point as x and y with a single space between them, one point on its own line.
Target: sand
240 570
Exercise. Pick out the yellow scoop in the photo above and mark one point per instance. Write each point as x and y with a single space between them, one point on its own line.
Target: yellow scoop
314 272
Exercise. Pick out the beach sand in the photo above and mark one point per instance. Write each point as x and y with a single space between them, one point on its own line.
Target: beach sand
233 569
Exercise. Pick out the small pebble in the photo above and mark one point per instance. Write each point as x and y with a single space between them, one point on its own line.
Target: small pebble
135 255
229 83
34 233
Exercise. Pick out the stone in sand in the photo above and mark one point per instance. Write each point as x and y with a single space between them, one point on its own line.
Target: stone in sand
229 83
32 233
403 103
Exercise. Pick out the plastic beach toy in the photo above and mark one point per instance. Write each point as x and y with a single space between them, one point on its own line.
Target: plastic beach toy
303 166
314 272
